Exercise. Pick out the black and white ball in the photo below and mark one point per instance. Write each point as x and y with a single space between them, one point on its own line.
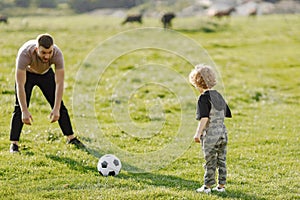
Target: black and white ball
109 165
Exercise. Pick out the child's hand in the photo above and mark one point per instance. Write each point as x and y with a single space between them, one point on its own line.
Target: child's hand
197 138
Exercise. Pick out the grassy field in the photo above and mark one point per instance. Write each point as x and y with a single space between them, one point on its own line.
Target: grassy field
139 105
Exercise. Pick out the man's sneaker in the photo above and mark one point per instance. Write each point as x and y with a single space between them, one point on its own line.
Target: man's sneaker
14 148
218 189
76 142
204 189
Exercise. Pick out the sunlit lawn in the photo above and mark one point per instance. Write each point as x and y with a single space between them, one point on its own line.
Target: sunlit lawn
258 60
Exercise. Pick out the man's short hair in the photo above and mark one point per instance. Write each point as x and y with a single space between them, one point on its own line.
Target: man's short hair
45 40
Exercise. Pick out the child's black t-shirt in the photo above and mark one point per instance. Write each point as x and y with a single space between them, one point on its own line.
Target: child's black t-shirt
211 97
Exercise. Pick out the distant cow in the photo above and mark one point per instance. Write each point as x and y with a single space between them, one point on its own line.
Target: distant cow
253 12
224 13
167 18
3 19
133 18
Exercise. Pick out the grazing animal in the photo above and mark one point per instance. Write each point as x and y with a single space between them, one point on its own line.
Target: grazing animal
167 18
3 19
224 13
133 18
253 12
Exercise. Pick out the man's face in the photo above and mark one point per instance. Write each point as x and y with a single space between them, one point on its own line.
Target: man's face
45 54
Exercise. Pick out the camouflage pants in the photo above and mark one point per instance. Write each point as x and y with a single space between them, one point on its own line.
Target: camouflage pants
214 143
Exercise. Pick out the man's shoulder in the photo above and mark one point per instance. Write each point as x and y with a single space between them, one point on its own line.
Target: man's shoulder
28 46
57 52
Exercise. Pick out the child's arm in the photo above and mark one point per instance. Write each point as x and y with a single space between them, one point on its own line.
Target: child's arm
199 131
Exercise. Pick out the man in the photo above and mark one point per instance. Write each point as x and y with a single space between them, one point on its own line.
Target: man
33 67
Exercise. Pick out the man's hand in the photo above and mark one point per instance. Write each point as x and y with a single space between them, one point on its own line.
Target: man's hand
54 116
27 118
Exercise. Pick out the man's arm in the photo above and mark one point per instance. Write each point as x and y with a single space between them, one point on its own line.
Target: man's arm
21 94
59 81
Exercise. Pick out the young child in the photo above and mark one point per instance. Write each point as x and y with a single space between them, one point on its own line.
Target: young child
211 131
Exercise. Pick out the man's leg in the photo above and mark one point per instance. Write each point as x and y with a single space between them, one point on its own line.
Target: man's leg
47 86
16 124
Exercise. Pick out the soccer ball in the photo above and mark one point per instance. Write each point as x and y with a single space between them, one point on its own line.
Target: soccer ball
109 165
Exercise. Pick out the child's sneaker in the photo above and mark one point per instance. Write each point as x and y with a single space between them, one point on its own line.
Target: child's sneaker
204 189
218 189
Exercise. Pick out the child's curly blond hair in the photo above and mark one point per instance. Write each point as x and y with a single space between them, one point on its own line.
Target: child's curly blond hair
203 76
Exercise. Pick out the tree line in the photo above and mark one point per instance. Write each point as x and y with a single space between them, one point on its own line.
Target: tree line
79 6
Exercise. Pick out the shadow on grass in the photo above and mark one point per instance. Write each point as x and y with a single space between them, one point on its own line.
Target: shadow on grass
159 180
206 27
75 165
127 166
71 163
151 178
237 194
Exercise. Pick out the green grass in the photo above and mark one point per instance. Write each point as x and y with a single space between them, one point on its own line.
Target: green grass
258 60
